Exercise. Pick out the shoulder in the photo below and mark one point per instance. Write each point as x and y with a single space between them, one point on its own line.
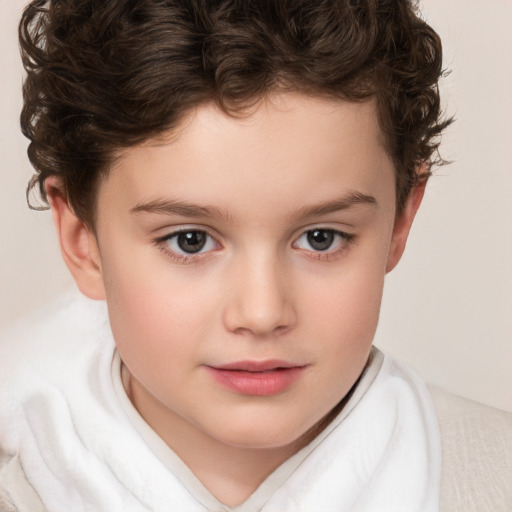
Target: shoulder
477 454
58 331
42 357
54 392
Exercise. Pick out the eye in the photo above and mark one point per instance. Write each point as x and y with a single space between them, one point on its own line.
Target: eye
322 240
190 242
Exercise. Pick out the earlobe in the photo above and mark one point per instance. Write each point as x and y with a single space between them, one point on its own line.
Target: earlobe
78 243
403 223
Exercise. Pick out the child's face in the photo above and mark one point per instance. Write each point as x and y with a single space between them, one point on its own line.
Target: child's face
286 220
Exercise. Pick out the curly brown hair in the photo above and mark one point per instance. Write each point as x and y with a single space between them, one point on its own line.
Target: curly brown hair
105 75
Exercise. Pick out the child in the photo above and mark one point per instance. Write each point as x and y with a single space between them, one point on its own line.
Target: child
234 179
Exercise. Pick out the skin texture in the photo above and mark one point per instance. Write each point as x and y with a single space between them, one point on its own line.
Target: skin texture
258 290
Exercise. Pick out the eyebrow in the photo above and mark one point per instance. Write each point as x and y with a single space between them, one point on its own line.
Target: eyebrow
183 209
343 203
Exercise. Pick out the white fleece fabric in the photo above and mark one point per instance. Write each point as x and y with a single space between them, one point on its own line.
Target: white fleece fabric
70 439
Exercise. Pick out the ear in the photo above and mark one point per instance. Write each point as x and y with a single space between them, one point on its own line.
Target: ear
77 242
403 223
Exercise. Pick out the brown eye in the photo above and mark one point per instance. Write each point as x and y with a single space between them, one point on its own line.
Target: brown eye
323 240
191 241
320 239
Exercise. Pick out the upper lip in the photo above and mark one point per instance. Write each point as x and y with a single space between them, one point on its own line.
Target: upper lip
257 366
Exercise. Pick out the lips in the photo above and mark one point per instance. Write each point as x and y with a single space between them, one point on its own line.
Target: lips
257 366
257 378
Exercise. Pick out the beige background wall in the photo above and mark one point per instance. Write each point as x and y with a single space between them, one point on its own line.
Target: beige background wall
447 309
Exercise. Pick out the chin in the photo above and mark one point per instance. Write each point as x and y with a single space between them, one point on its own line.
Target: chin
258 434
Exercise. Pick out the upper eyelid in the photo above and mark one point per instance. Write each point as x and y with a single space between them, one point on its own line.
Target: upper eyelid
340 232
173 231
320 227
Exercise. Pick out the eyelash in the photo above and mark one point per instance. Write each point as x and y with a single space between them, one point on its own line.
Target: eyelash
329 254
163 244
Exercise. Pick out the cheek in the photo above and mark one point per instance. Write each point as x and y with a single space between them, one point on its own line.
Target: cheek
344 313
156 314
349 299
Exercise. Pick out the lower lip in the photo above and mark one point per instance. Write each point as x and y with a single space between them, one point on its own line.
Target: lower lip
265 383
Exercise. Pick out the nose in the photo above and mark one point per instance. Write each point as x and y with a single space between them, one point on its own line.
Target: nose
260 298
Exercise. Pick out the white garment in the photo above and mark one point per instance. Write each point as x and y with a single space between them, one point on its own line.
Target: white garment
476 442
72 441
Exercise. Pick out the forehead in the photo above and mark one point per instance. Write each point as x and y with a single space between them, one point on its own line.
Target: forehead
289 148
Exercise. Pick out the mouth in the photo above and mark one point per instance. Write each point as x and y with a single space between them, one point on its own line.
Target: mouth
257 378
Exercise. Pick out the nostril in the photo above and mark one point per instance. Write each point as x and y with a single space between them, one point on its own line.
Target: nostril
254 331
281 329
